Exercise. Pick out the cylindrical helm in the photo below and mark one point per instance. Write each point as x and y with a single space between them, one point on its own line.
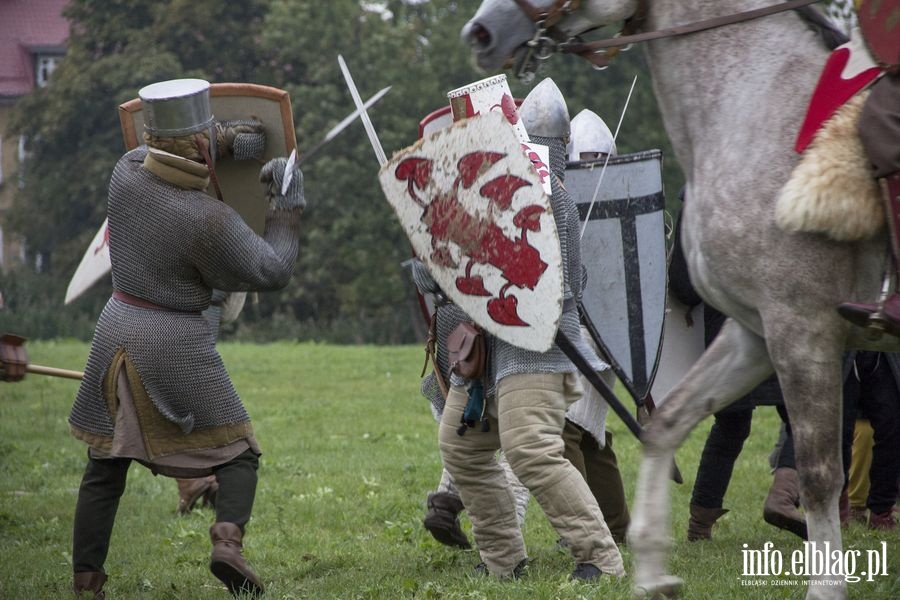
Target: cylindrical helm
544 112
176 107
590 135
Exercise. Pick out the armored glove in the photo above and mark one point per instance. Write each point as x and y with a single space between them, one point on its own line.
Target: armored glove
272 174
242 138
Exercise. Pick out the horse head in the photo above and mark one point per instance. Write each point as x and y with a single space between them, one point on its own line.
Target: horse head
522 33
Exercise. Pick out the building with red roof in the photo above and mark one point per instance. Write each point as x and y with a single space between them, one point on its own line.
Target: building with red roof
33 36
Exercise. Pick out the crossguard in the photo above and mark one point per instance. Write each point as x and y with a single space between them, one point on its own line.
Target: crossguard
13 357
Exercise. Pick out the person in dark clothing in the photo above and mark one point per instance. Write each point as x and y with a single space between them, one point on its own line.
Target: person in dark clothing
871 389
730 429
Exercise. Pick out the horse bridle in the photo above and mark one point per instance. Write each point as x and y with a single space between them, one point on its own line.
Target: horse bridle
548 38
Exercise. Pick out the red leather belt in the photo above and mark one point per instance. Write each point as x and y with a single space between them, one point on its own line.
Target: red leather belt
141 303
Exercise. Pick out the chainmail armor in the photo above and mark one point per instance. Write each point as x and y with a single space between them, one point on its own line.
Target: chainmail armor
509 359
171 246
244 138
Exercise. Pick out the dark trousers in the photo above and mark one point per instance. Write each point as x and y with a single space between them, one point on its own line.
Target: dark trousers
103 484
600 469
724 444
871 391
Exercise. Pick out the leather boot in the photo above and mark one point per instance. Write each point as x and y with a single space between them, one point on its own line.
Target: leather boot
883 316
190 491
227 561
442 520
883 520
91 582
780 508
701 522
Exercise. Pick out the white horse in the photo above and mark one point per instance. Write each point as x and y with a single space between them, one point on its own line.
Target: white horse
732 99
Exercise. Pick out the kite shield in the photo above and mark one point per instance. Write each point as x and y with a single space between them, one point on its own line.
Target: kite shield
473 208
624 252
239 179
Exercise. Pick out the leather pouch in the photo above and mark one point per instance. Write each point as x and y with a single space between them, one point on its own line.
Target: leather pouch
467 350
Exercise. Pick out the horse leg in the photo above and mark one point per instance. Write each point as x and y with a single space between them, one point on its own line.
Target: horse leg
810 380
734 364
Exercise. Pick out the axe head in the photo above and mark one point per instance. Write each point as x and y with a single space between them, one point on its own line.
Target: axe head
13 358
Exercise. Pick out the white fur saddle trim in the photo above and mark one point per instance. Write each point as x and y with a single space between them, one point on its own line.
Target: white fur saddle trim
832 190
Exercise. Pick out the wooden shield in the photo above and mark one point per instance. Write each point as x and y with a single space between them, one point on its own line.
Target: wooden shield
239 179
879 21
473 208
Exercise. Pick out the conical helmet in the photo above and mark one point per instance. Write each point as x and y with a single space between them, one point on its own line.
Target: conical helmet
590 134
544 112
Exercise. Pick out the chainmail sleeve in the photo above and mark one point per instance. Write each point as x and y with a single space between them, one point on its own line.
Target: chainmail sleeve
230 256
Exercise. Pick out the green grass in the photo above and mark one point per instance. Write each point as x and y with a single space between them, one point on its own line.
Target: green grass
349 453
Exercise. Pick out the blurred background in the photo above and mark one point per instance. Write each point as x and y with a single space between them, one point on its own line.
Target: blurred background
66 65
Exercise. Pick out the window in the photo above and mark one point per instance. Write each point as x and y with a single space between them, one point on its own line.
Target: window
44 64
23 154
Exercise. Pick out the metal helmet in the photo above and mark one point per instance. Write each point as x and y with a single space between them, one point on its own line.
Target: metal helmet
590 134
544 112
176 107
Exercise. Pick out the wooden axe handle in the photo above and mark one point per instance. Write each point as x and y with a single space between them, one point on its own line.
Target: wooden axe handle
54 372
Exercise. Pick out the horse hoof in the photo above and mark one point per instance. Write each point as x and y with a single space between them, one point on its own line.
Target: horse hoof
667 587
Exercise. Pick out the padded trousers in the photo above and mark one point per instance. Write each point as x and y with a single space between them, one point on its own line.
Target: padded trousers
531 412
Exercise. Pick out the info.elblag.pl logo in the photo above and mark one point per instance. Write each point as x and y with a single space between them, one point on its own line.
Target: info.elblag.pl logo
812 560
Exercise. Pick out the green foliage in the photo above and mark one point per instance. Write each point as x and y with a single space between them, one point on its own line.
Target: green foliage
349 286
349 455
33 307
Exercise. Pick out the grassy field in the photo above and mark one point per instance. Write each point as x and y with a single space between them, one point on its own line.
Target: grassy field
349 454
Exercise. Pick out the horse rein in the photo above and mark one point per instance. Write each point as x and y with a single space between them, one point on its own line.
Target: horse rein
600 52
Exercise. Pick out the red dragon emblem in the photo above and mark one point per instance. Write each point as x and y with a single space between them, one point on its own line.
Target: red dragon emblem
480 240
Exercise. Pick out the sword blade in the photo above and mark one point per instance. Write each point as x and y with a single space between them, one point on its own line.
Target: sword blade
288 172
334 131
367 123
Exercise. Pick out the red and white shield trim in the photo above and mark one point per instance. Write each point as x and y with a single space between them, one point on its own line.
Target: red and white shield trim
475 212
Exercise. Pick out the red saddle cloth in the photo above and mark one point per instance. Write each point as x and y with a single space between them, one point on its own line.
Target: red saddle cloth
848 71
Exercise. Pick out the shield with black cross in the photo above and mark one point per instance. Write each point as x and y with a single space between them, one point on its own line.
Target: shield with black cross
623 249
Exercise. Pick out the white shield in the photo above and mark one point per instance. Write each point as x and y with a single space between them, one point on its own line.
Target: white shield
624 252
93 266
473 208
682 345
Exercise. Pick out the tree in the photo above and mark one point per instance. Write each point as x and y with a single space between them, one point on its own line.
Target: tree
349 285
